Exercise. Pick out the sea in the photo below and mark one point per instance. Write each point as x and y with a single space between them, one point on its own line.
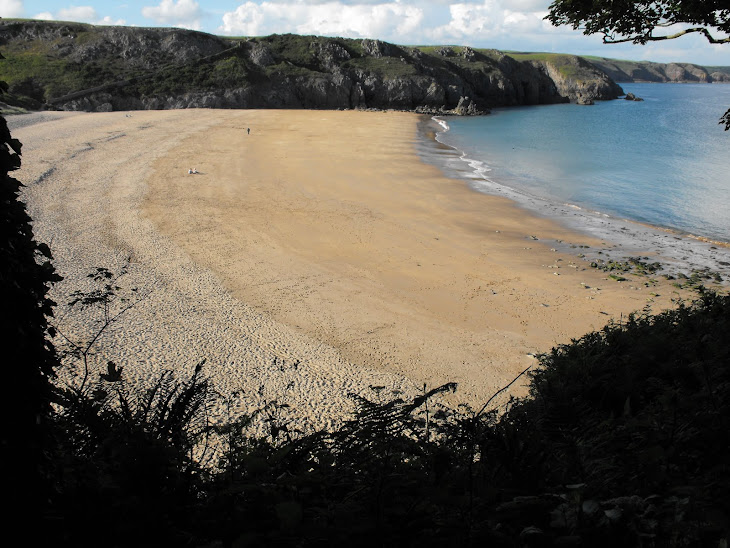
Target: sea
662 162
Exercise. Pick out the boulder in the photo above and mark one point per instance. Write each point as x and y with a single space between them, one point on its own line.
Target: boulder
631 97
466 107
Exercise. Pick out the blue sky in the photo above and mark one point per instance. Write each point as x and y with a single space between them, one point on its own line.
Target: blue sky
501 24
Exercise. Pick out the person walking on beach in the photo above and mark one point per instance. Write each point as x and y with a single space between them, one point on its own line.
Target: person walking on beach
248 131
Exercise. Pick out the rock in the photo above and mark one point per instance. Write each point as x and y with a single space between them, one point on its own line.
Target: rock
260 55
376 48
645 71
466 107
631 97
468 53
686 72
592 84
330 54
720 76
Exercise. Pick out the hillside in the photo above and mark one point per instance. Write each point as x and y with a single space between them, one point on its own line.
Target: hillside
645 71
74 66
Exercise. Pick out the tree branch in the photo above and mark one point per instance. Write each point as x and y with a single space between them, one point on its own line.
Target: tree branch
645 38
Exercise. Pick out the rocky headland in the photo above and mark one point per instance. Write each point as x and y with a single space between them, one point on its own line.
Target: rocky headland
74 66
645 71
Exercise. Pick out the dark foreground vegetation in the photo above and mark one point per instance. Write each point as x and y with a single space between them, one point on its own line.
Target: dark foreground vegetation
622 441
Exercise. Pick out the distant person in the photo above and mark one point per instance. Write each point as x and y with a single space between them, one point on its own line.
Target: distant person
248 131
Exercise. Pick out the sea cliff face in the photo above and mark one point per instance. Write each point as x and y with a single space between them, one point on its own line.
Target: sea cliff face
644 71
579 80
74 66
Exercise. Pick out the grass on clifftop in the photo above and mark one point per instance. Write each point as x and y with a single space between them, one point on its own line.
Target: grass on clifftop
567 65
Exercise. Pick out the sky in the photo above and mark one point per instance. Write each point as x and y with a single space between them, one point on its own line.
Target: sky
500 24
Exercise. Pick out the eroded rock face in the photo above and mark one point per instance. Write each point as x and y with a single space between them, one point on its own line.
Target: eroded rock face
294 72
466 107
376 48
723 77
593 84
330 54
260 55
686 73
644 71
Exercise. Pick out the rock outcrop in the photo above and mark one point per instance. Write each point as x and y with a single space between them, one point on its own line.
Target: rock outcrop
644 71
580 80
124 68
632 97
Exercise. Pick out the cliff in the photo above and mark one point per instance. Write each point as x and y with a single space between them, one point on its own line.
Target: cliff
645 71
74 66
576 78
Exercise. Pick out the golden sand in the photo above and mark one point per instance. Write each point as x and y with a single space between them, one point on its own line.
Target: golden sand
329 223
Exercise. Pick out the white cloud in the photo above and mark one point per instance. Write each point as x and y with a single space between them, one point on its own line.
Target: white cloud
400 21
83 14
183 13
385 20
490 20
11 8
77 13
106 20
526 5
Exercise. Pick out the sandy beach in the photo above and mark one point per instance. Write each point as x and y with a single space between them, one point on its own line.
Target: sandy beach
314 257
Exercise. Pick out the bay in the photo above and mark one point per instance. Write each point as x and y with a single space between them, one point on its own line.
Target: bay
664 161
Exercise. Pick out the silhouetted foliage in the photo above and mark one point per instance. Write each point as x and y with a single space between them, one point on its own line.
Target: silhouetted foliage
622 442
130 469
638 21
26 274
726 120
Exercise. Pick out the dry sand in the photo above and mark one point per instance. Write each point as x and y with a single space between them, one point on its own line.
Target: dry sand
313 257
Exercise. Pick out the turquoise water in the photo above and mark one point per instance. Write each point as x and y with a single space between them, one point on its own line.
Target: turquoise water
664 161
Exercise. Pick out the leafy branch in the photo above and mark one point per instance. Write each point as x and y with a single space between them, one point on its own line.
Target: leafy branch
108 297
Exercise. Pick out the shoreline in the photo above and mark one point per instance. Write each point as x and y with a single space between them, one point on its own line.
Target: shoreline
316 257
679 252
382 257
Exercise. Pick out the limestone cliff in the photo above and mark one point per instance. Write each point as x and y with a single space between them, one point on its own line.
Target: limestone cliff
577 79
645 71
75 66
